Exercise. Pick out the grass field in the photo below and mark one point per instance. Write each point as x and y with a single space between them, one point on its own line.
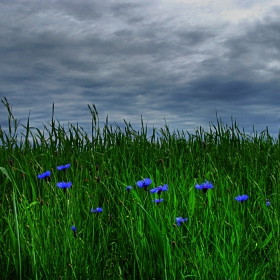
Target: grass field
80 221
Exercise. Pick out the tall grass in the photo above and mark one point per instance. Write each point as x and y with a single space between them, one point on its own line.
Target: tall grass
134 237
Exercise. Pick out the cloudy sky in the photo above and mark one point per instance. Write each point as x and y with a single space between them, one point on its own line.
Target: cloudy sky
179 61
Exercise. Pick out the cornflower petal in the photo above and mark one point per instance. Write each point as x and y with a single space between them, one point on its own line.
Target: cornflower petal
64 185
158 200
159 189
204 186
44 175
144 183
63 167
242 197
180 220
154 190
74 231
96 210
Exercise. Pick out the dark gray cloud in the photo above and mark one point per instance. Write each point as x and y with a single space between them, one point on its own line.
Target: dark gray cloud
161 61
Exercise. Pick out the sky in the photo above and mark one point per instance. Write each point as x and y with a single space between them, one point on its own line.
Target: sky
179 62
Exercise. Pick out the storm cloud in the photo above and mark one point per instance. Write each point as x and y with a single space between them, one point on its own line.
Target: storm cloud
175 61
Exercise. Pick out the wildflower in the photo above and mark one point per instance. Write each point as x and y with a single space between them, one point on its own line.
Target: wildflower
144 183
128 188
242 198
44 175
204 186
74 230
64 185
159 189
96 210
157 201
63 167
180 220
268 203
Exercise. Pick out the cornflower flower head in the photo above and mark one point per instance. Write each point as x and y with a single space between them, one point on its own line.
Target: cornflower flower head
63 167
268 203
180 220
128 188
242 198
204 186
157 201
144 183
96 210
64 185
74 230
159 189
44 175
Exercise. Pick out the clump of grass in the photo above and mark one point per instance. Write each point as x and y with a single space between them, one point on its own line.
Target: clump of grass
119 204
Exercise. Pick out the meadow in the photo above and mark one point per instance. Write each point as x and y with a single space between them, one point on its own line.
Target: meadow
118 203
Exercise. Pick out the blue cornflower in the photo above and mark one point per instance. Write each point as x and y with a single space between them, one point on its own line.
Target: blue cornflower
74 231
268 203
64 185
242 198
63 167
204 186
128 188
159 189
44 175
96 210
180 220
144 183
157 201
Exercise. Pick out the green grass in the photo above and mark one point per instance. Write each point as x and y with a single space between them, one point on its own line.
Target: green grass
135 238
